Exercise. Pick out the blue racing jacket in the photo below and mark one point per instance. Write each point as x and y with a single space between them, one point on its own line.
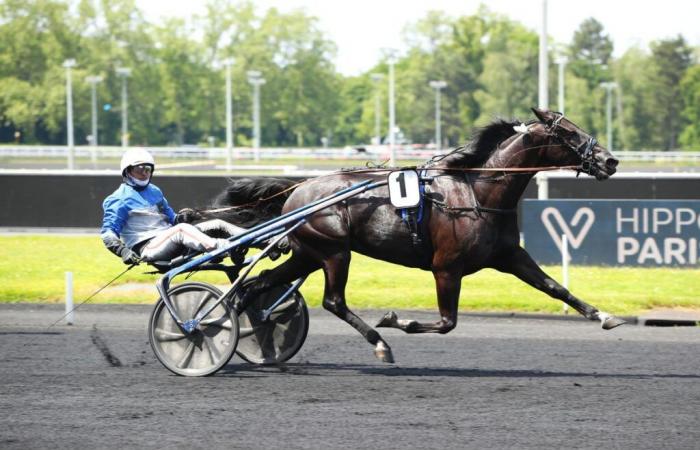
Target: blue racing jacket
135 215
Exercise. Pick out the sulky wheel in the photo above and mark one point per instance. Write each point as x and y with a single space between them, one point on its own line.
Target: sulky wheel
209 347
281 336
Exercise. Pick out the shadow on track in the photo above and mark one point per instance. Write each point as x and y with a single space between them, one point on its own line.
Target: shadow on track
323 370
30 333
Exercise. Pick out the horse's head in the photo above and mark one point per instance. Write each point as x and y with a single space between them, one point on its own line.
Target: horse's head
576 147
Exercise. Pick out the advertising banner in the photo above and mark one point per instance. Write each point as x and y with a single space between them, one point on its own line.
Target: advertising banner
651 233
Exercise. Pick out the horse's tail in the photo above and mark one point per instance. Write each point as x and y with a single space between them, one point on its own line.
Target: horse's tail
246 202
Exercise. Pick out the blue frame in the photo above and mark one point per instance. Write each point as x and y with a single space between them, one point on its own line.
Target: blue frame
257 234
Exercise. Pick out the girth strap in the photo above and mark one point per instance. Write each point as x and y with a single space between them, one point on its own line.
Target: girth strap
412 217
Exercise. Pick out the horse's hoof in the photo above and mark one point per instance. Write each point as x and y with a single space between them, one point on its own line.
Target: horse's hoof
383 352
611 322
389 320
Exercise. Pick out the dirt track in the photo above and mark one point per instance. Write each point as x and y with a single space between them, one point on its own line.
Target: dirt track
491 383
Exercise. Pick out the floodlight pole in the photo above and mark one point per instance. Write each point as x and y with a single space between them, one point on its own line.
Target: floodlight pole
68 64
609 86
543 101
229 114
124 72
377 77
437 85
93 80
255 79
561 61
391 60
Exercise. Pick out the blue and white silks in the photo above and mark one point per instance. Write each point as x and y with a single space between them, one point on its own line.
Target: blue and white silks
136 215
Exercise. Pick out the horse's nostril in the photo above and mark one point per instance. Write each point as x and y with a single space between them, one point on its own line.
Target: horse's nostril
611 163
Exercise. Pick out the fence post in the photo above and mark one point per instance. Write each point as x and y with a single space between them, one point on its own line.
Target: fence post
565 266
69 298
542 186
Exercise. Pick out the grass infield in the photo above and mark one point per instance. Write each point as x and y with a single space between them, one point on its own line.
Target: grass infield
32 269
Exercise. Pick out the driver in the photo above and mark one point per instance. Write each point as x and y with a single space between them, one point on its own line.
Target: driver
139 224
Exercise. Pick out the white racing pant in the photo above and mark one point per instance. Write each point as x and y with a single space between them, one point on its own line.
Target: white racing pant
172 242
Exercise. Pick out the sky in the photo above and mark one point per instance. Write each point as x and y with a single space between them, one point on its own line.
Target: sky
362 28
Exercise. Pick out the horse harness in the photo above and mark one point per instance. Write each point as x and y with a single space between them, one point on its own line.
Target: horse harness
413 217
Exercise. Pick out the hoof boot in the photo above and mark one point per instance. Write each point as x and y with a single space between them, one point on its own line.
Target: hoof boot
383 352
390 320
611 322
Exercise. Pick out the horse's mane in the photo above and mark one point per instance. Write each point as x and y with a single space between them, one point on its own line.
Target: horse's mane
484 142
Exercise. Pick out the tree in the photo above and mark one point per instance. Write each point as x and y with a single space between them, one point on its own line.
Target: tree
509 78
590 61
690 91
299 99
591 53
634 78
36 36
670 59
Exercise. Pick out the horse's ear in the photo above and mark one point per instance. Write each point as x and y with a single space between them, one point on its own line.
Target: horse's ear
543 115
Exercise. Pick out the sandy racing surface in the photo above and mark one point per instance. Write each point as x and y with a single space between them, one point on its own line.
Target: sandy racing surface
491 383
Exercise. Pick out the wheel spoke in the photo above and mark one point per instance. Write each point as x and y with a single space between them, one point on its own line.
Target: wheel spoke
165 336
283 316
245 332
214 354
284 306
221 322
187 357
202 301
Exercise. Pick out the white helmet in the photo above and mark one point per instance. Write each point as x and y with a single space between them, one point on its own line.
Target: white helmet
135 156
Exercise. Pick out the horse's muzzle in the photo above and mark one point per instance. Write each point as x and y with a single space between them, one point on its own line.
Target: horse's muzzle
606 167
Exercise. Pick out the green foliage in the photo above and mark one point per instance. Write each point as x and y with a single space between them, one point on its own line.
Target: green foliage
634 77
176 88
591 52
670 58
690 88
509 79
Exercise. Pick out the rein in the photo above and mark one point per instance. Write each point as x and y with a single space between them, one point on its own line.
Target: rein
258 201
505 170
584 150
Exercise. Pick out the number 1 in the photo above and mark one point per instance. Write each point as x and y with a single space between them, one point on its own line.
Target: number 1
402 184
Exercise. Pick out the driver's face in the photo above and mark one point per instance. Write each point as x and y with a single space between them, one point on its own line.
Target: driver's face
140 172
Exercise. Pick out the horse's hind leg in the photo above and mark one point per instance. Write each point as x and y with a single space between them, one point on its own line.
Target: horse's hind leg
522 266
335 268
448 285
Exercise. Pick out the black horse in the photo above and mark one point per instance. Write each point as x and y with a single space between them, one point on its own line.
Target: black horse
468 220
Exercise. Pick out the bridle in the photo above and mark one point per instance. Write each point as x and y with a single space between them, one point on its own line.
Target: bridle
583 150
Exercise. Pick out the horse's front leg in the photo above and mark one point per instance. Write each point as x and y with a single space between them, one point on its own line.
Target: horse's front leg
447 284
520 264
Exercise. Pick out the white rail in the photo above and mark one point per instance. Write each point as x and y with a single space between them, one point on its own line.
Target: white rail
349 152
655 156
195 152
542 178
